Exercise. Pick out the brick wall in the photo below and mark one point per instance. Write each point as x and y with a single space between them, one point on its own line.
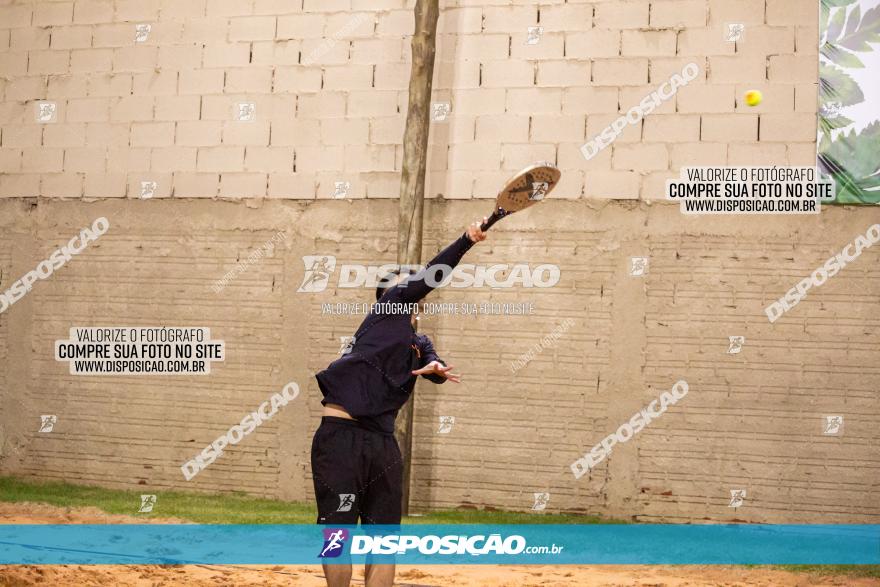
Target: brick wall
750 421
329 82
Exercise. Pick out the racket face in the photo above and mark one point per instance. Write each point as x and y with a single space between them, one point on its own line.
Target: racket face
528 187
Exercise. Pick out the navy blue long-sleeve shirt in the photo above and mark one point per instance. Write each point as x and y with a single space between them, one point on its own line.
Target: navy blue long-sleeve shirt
373 377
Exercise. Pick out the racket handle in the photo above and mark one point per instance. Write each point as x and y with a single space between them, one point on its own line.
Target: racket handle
495 217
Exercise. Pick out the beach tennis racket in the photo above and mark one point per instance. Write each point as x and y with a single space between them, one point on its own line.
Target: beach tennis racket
526 188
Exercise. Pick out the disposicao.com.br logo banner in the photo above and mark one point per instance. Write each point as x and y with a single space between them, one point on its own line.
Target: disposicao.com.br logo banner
296 544
394 542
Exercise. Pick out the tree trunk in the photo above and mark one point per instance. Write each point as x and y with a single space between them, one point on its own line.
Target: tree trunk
412 182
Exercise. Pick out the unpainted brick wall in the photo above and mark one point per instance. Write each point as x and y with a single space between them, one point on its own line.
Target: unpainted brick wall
329 81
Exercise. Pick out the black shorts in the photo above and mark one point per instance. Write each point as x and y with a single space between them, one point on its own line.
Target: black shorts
358 474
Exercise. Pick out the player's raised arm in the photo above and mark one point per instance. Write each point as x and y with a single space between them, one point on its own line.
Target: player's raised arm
417 286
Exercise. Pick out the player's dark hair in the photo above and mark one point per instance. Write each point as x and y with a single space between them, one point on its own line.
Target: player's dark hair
388 279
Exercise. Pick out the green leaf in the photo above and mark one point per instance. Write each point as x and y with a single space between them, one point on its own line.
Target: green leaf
870 183
846 189
836 86
866 32
836 3
852 22
840 57
825 141
834 123
836 25
853 160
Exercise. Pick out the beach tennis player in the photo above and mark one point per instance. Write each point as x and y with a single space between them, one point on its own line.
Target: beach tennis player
357 466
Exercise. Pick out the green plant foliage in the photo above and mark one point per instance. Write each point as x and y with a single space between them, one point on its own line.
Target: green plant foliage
851 158
837 87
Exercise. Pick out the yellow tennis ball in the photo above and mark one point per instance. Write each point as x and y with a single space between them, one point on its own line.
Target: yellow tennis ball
754 97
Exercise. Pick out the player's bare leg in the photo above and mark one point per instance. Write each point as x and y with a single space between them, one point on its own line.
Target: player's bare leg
339 575
380 575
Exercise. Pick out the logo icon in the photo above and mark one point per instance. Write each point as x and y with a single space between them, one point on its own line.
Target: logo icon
142 32
47 423
147 503
833 426
541 500
245 111
737 497
440 111
534 35
539 190
334 542
638 266
346 501
446 424
47 112
346 344
736 344
318 270
830 109
340 189
148 189
734 32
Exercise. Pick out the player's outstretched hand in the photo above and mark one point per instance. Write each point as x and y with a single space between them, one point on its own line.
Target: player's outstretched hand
475 233
437 368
